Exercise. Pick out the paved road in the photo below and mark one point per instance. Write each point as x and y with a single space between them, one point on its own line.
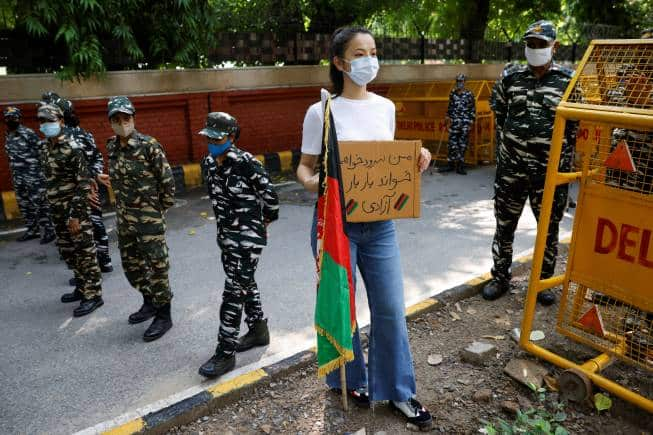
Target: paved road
59 374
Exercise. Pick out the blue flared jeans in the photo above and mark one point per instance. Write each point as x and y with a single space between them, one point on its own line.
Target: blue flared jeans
389 375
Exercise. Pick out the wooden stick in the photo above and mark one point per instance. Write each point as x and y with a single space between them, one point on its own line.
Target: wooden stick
343 387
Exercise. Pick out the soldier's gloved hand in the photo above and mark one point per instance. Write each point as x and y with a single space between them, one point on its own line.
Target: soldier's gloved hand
73 226
424 159
104 179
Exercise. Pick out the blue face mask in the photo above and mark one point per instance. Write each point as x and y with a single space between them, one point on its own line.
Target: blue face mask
218 149
50 129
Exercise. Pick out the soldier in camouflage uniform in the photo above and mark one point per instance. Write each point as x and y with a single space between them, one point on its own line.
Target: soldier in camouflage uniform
525 104
22 146
68 188
144 187
95 166
244 202
461 114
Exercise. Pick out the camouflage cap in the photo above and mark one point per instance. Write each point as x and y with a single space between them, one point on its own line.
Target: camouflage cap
541 29
219 125
12 112
50 97
647 33
120 104
461 77
49 112
66 106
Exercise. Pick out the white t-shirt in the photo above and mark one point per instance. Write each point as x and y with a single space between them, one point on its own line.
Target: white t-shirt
369 119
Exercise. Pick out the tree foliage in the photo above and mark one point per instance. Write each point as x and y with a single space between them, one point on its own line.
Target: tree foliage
93 35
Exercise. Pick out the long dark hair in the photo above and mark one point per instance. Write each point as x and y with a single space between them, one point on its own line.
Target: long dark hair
339 41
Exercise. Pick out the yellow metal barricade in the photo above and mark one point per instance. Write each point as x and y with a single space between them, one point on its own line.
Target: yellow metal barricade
607 296
421 110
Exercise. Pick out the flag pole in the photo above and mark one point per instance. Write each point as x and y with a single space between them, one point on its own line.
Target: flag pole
343 388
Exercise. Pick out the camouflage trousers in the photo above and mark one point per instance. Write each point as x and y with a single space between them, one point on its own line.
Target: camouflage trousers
458 139
145 262
100 236
79 252
33 205
240 290
510 193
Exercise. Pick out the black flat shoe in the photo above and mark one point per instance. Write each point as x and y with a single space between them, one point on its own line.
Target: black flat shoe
359 396
414 412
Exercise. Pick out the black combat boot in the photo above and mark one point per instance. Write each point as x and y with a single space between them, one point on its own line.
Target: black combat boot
546 298
105 263
48 237
73 296
74 282
258 335
87 306
28 236
448 168
495 289
161 324
146 312
460 168
219 364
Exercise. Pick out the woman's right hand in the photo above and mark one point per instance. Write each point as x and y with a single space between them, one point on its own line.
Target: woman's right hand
306 172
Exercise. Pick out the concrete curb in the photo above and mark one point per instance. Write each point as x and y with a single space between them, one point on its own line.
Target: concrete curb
187 177
173 412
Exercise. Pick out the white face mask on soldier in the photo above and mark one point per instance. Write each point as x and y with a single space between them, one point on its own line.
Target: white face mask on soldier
123 129
539 56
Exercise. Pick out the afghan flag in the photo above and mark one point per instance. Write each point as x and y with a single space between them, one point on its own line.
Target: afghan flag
335 313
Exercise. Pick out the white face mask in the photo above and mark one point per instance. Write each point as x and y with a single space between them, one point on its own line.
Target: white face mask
363 69
123 129
539 56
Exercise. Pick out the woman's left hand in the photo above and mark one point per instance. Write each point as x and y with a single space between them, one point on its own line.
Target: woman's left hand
424 159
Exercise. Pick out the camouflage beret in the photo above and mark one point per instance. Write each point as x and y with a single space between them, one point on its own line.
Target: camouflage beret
49 112
541 29
12 112
120 104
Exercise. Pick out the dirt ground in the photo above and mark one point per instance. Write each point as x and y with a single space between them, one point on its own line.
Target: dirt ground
452 390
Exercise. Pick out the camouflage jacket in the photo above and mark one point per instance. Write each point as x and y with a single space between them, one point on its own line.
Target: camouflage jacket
67 177
24 153
524 108
142 183
462 107
243 199
93 155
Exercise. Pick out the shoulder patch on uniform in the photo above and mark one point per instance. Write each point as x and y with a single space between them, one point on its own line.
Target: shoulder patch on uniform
563 69
512 68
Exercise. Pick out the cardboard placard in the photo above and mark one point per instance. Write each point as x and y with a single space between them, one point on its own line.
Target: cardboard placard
381 179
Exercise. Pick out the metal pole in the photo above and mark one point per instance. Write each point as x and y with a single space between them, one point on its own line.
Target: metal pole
422 47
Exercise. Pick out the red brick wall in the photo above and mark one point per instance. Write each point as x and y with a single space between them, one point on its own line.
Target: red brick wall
270 120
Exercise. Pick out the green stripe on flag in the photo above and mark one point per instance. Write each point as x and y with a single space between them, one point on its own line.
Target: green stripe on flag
332 317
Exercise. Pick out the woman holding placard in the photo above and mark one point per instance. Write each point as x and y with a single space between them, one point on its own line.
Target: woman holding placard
360 115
